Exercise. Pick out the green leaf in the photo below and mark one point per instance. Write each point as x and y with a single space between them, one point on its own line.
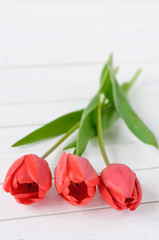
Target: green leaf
71 145
105 83
55 128
127 85
91 106
109 114
103 75
131 119
87 127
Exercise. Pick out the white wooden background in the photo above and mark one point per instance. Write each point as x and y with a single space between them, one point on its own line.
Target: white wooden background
51 55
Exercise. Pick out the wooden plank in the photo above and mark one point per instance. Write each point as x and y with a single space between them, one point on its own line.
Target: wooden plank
50 63
90 225
50 84
70 83
37 113
71 1
53 204
44 112
70 33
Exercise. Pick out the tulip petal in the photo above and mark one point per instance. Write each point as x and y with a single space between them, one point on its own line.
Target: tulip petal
77 171
119 178
66 182
26 195
22 175
139 195
91 191
120 205
134 194
81 169
24 201
74 178
41 193
61 172
66 192
116 196
71 200
107 197
85 201
11 172
39 171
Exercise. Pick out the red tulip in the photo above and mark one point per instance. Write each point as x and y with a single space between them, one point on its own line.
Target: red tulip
75 179
120 187
28 179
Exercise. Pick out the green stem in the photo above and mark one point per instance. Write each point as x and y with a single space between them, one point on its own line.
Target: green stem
60 141
100 135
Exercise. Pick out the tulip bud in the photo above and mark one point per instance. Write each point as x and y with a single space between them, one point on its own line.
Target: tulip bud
75 179
120 187
28 179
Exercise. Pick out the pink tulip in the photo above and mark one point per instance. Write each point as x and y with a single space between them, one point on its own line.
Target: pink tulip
28 179
75 179
120 187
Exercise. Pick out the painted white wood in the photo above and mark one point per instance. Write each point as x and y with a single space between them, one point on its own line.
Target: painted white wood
94 224
37 113
49 50
70 1
43 112
45 33
23 85
53 204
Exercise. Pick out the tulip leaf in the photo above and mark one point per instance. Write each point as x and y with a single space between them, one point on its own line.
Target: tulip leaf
109 116
87 128
103 76
71 145
127 85
52 129
131 119
109 113
105 83
91 106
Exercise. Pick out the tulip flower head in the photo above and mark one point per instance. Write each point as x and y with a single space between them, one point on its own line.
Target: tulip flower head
120 187
28 179
75 179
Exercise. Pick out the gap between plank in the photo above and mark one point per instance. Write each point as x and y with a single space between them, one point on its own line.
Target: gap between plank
69 212
128 142
75 64
65 100
41 124
48 101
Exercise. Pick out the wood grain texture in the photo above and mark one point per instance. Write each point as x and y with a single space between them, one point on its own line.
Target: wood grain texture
51 56
24 85
96 224
45 33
